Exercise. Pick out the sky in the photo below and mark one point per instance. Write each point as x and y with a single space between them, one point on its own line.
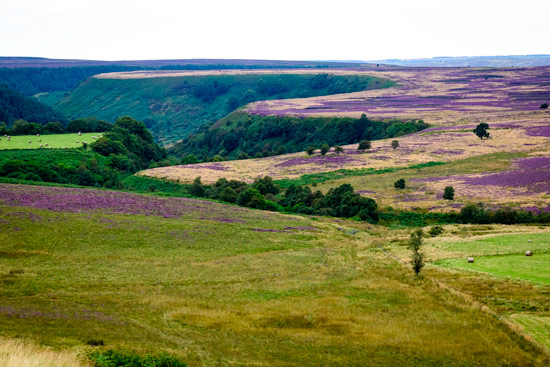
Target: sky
275 30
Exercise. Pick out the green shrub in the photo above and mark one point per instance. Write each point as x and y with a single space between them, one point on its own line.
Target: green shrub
399 184
112 358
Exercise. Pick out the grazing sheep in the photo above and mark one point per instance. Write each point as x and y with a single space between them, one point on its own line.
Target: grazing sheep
79 133
39 140
29 141
37 134
46 144
470 259
78 141
528 253
40 145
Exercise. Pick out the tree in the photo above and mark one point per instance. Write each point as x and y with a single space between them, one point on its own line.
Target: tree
338 149
481 130
449 193
197 189
399 184
364 145
324 149
310 150
394 144
544 106
415 243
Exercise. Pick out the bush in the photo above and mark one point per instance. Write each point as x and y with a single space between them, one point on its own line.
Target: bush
481 130
435 231
324 149
112 358
364 145
399 184
449 193
544 106
310 150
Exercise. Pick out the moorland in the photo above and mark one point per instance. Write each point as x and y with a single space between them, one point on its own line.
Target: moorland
276 230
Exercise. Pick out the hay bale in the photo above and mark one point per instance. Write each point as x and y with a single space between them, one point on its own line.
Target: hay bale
470 260
528 253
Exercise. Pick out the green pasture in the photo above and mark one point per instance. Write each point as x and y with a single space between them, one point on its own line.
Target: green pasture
223 285
537 326
534 268
500 245
54 141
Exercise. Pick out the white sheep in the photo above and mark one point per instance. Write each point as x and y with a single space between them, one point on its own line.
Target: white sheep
39 140
46 144
78 141
37 134
40 145
29 141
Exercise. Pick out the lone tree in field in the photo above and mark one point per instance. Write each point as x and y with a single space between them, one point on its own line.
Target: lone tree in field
399 184
481 130
310 150
415 243
544 106
338 149
324 149
364 145
394 144
449 193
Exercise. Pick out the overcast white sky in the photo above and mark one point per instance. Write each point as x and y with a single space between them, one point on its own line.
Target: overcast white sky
281 29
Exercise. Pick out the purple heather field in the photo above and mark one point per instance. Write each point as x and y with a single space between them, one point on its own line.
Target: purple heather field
75 200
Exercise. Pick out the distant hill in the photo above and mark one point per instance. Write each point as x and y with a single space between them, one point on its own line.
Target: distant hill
37 62
472 61
15 106
172 107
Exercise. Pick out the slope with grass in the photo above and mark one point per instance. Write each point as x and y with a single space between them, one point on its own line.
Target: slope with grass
220 285
174 105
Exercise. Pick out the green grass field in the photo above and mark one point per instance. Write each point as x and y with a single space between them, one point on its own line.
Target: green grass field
54 141
500 244
222 285
518 266
536 326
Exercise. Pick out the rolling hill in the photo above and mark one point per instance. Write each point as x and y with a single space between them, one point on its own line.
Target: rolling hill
173 104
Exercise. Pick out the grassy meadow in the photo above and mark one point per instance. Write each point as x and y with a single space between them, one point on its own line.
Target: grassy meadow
221 285
53 141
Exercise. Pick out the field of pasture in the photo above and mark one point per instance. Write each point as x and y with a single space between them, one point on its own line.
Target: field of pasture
216 284
56 141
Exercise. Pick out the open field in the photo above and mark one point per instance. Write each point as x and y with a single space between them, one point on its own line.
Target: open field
53 141
516 266
148 273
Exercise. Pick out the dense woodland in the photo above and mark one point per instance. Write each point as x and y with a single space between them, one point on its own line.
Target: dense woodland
242 136
15 106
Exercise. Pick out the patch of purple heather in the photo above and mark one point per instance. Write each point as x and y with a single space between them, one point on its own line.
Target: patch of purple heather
317 160
539 131
269 230
73 200
302 228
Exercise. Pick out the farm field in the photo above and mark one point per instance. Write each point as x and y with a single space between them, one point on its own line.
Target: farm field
537 326
516 266
56 141
151 274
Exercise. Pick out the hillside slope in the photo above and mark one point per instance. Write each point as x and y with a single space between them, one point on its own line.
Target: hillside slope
15 106
172 107
221 285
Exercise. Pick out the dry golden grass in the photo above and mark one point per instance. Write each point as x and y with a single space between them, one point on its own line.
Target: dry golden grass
18 353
